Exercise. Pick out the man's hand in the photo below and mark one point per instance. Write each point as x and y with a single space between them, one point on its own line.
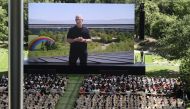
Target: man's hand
81 39
77 39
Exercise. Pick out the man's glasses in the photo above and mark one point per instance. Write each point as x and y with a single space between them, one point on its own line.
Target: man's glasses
78 19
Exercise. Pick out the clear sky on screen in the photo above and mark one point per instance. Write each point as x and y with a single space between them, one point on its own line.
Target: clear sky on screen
60 13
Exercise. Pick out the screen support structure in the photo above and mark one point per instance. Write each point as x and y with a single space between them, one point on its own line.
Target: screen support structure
15 54
141 21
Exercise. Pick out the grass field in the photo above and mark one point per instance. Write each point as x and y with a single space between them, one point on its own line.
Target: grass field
67 101
155 63
3 60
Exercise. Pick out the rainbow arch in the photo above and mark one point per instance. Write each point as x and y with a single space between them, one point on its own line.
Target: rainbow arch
37 41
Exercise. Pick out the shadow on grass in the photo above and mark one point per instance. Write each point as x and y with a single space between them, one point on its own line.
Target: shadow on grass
163 73
3 73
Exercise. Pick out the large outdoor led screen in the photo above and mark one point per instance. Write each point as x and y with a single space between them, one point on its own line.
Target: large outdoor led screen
82 33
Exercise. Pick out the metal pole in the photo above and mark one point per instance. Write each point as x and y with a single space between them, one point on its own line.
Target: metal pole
141 21
15 54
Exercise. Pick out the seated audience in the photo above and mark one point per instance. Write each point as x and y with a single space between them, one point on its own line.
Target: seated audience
129 92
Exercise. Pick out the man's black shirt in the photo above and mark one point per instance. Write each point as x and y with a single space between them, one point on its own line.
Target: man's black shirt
76 32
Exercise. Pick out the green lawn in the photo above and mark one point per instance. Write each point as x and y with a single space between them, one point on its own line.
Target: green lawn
69 98
151 68
3 60
155 63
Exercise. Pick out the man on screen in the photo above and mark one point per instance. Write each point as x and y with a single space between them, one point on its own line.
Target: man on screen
78 37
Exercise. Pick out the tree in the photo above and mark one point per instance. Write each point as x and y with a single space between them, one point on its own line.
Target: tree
3 25
4 4
151 9
178 8
185 71
160 26
176 40
174 31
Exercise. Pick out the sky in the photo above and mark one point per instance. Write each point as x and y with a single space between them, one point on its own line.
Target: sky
60 13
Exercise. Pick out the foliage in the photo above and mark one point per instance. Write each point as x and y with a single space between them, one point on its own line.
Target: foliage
111 40
185 71
178 8
176 41
161 25
151 9
3 24
169 22
125 45
176 44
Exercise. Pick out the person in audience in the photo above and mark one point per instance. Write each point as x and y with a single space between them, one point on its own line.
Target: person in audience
129 92
42 91
3 92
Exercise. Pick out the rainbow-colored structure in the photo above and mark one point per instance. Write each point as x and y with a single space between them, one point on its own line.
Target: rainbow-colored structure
39 40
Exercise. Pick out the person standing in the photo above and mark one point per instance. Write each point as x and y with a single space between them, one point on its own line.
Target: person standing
78 37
